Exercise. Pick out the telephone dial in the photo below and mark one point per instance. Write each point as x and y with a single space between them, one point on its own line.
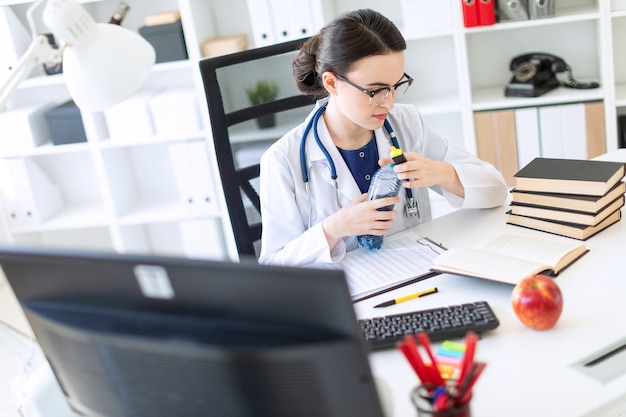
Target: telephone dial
535 74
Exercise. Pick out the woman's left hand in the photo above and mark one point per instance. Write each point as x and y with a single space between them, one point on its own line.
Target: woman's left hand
419 171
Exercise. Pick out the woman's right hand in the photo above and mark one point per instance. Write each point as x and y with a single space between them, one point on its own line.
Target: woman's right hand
360 217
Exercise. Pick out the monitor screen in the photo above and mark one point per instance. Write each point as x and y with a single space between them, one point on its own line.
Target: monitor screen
150 336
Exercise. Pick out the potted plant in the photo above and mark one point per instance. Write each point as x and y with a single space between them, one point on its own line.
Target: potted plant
263 91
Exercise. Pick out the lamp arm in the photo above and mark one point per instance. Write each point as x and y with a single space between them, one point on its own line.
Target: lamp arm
39 52
31 20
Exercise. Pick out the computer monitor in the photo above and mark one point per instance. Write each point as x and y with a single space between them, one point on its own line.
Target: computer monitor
150 336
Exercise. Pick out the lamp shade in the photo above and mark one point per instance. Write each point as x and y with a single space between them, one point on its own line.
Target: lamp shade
109 70
103 64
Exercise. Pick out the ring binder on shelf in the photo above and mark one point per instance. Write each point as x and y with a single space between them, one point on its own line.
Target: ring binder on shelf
512 10
539 9
486 12
470 13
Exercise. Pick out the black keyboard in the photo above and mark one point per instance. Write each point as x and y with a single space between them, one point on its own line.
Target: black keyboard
439 323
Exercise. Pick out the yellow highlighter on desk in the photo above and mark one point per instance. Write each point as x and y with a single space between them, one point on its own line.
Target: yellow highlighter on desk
407 297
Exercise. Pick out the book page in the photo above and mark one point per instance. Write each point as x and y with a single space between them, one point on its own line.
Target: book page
402 257
540 249
482 264
509 257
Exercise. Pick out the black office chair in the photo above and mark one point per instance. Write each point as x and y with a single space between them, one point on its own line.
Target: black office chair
237 137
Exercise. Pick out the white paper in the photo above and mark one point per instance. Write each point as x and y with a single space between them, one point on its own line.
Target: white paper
402 257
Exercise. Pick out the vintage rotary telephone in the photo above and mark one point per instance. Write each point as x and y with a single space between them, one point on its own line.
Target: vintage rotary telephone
535 74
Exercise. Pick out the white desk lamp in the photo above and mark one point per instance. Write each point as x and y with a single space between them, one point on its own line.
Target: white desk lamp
103 63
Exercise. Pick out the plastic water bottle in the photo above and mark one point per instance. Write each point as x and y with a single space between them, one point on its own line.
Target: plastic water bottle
385 183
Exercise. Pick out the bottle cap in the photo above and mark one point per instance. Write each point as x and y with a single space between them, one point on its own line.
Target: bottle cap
397 155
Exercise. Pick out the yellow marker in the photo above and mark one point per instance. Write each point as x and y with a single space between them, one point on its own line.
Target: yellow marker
408 297
394 152
397 155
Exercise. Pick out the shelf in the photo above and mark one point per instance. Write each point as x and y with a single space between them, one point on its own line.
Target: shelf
146 212
435 105
17 2
172 66
493 98
564 15
42 81
149 140
48 148
70 217
426 36
249 132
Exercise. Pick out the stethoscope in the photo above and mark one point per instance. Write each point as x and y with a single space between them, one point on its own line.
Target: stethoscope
411 207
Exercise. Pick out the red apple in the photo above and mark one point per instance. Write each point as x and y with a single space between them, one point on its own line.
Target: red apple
537 302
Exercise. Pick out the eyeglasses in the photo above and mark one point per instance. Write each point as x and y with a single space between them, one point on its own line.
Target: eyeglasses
380 95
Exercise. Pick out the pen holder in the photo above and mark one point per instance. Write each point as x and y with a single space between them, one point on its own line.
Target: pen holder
425 398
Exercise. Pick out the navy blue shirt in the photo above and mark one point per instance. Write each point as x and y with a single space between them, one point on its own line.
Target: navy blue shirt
362 162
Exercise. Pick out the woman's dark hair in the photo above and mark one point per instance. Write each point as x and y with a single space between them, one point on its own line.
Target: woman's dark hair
345 40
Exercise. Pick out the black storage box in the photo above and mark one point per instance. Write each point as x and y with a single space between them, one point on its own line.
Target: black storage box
65 124
167 39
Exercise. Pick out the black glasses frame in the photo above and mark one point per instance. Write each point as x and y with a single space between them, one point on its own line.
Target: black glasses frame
373 93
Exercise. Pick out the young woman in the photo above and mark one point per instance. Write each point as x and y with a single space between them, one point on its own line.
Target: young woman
357 64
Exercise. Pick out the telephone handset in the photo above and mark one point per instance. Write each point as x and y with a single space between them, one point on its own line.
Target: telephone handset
535 74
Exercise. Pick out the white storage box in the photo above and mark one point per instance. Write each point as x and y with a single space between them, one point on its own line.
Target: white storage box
131 119
14 40
192 170
618 5
175 111
24 128
28 196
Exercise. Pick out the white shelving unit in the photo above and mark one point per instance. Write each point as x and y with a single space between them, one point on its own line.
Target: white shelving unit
126 195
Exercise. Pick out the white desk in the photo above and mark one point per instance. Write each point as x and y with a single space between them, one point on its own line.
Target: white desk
529 373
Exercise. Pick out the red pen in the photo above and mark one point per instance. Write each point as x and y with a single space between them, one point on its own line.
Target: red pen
470 348
409 348
432 373
404 348
425 341
465 390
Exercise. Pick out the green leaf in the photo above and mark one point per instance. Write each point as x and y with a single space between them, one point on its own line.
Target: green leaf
262 91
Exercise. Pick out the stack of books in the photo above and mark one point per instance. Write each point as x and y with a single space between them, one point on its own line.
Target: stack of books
568 197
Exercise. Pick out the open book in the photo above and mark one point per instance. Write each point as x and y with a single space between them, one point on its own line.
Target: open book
509 257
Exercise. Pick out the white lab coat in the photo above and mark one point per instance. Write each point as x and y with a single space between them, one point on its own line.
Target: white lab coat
287 237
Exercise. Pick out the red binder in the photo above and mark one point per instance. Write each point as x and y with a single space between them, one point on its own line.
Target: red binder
486 12
470 13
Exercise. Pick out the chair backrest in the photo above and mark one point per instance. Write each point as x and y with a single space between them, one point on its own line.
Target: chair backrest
238 140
